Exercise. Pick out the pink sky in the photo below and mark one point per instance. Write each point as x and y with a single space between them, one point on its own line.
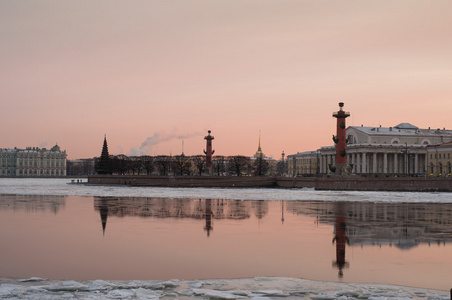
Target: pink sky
156 71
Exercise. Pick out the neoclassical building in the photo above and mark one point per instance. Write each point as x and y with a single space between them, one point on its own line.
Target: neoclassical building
304 163
33 162
394 151
439 162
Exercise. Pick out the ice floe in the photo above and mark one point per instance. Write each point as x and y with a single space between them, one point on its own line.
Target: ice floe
248 288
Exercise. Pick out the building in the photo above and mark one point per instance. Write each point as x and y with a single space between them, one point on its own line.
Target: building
390 151
303 164
439 159
33 162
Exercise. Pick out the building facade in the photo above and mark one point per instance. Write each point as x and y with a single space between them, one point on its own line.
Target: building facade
303 164
439 159
33 162
392 151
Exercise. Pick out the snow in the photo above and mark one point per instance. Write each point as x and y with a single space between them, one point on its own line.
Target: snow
246 288
60 187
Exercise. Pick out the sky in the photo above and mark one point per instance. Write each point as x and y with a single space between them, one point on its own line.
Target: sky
155 76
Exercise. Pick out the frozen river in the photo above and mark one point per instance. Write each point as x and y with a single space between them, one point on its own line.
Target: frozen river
61 240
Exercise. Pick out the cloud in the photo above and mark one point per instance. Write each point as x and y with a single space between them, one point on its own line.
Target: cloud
158 138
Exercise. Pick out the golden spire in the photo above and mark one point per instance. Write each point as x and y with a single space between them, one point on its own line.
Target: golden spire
259 146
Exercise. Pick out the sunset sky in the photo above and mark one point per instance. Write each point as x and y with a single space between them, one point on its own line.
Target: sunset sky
151 74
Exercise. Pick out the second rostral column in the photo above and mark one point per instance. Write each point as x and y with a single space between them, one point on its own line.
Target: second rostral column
209 152
340 140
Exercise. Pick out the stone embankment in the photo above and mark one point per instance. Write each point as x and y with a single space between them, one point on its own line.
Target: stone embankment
440 184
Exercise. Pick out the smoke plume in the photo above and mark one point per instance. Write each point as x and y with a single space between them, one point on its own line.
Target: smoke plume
156 139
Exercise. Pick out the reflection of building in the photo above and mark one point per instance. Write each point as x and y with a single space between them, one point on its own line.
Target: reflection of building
404 225
199 209
33 162
32 203
438 159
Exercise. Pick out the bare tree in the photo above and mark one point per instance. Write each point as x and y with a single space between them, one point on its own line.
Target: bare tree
239 164
219 164
181 164
200 163
260 166
163 163
148 164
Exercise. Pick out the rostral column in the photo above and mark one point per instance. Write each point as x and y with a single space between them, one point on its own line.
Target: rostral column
209 152
341 142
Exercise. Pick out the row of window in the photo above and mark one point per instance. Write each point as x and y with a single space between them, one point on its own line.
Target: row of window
29 164
441 169
439 155
12 172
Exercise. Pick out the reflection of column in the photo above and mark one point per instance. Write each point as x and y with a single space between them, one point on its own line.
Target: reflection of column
208 216
340 238
282 211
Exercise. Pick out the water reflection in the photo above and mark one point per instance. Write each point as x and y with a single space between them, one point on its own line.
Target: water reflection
33 203
205 209
162 238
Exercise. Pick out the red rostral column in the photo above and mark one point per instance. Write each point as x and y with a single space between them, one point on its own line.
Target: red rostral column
340 140
209 151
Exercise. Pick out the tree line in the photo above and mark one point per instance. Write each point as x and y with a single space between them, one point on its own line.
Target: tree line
237 165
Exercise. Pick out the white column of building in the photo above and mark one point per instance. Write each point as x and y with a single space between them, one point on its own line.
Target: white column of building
396 164
385 163
374 165
320 164
358 165
363 163
416 163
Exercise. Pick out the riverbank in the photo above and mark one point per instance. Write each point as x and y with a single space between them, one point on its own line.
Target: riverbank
412 184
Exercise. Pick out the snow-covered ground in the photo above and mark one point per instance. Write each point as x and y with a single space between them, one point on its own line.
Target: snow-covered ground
60 187
251 288
248 288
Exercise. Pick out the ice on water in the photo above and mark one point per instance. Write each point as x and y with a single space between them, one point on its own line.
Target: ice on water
247 288
251 288
60 187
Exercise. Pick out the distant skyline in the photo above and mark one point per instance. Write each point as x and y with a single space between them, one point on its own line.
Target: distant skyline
150 74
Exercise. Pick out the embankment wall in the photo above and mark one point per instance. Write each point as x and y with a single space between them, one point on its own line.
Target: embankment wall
441 184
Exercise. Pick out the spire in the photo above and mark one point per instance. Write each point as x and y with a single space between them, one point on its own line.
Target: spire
259 152
259 146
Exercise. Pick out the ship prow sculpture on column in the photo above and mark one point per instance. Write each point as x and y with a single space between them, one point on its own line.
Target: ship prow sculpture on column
340 167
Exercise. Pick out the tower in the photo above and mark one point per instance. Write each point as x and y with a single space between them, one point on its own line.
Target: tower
209 152
340 140
259 153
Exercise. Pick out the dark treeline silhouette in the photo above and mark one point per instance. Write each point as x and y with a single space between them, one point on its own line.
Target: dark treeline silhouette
164 165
